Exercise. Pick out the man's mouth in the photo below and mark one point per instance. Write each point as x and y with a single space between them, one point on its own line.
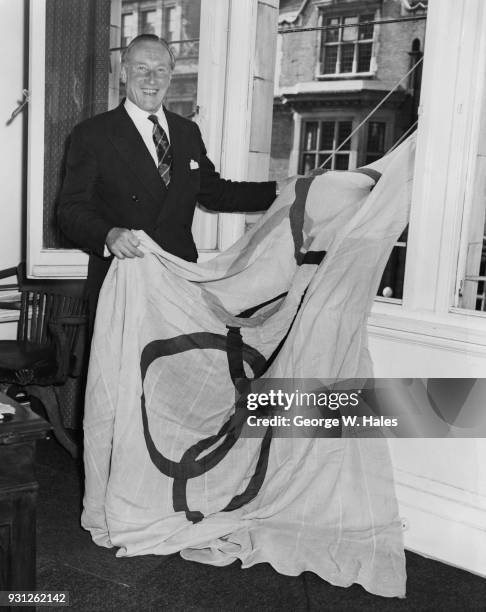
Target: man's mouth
149 92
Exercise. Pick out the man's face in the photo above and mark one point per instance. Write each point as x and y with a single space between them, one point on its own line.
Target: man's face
147 73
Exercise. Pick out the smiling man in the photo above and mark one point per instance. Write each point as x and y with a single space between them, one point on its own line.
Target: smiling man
141 166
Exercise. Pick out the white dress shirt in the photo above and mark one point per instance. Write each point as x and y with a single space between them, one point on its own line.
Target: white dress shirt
145 126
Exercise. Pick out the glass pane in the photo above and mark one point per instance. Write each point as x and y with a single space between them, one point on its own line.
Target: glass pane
170 24
310 139
350 33
391 285
331 35
330 59
335 105
364 57
376 137
327 136
128 28
341 161
325 161
473 292
371 158
150 23
347 55
179 24
344 130
366 31
308 163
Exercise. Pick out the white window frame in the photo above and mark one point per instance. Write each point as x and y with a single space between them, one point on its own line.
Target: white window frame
331 11
334 117
227 64
447 141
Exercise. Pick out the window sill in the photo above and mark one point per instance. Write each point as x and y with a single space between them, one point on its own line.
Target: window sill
464 331
346 75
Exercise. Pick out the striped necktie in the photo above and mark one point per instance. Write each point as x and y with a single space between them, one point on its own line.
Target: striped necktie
163 148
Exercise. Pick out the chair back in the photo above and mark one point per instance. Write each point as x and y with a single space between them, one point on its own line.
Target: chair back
48 302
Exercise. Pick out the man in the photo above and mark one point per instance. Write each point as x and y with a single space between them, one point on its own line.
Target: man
140 166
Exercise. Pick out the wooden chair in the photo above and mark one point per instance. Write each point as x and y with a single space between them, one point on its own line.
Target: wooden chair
49 345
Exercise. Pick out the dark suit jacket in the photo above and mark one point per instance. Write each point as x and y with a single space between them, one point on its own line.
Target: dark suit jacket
111 181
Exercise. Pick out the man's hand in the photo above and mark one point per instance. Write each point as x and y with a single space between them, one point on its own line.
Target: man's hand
123 243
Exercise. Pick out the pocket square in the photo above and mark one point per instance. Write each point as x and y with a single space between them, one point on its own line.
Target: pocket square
193 164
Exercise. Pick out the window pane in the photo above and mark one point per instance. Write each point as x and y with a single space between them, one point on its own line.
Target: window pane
310 139
350 33
170 24
331 35
128 28
330 59
325 161
308 163
333 101
341 161
150 23
364 57
344 130
347 55
376 138
473 292
178 22
366 31
327 136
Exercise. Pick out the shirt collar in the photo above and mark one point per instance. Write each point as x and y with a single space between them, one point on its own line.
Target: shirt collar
139 115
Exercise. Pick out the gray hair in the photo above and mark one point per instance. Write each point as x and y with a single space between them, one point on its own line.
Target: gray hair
149 38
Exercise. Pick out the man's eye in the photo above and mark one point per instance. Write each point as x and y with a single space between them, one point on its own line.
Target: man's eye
142 68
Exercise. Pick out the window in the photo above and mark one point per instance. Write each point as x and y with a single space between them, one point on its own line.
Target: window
376 141
170 23
471 292
128 28
181 107
347 49
149 23
320 140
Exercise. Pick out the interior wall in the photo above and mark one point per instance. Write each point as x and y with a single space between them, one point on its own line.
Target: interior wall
440 483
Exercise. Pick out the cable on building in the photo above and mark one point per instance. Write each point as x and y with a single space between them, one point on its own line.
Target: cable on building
350 25
372 112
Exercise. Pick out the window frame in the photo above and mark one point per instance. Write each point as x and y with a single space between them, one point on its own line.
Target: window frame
329 12
447 141
335 120
225 110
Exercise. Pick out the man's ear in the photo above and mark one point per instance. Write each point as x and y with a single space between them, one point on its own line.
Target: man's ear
123 74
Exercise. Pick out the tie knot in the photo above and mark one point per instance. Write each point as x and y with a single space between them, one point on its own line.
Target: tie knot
153 119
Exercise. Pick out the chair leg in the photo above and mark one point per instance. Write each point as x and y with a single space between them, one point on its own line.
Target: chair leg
50 402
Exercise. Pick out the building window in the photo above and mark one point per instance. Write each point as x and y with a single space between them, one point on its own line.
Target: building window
347 50
319 143
471 291
128 28
375 147
149 23
170 23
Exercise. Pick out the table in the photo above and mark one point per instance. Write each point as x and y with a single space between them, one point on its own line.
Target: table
18 496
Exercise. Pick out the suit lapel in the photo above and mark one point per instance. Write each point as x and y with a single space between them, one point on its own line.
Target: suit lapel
131 147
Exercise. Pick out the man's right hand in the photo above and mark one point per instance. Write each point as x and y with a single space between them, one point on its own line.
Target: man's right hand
122 242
